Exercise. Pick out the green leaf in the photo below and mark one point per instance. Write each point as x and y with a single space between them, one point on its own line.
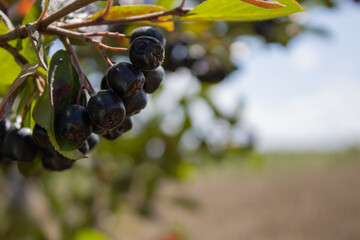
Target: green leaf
237 10
7 102
26 46
28 168
42 111
89 234
168 4
9 68
3 27
63 82
124 11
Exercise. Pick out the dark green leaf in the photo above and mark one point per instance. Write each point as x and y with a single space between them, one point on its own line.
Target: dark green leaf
63 82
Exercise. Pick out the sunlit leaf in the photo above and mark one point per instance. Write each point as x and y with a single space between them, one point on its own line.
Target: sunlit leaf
236 10
89 234
7 102
270 4
168 4
124 11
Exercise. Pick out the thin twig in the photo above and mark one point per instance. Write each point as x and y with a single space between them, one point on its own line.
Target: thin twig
19 59
108 6
65 11
84 82
81 36
151 16
107 59
110 34
182 5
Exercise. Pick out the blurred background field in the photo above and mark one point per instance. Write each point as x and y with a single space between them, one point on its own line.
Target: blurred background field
255 134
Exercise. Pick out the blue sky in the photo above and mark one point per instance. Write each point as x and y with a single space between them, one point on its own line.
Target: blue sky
305 96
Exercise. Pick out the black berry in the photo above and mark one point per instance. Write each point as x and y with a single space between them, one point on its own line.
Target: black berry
117 132
104 85
135 104
19 145
93 140
106 109
153 79
84 148
40 136
54 161
125 79
146 53
74 123
147 31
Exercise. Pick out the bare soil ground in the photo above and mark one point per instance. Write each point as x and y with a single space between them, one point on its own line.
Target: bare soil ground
321 203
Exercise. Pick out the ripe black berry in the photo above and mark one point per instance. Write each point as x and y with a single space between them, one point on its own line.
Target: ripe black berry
4 128
104 85
147 31
54 161
93 140
74 123
84 148
153 79
117 132
106 109
135 104
19 145
146 53
125 79
40 136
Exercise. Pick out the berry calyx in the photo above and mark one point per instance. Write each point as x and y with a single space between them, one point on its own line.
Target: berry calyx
146 53
106 109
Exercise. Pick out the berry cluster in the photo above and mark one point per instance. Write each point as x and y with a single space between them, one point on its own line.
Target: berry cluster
108 112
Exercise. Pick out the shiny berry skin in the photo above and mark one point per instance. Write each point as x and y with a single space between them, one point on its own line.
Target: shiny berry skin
106 109
4 128
54 161
84 148
146 53
117 132
153 79
147 31
93 140
73 123
135 104
125 79
104 85
19 145
40 136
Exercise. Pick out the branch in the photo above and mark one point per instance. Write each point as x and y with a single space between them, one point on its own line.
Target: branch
65 11
81 36
84 82
19 59
179 11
